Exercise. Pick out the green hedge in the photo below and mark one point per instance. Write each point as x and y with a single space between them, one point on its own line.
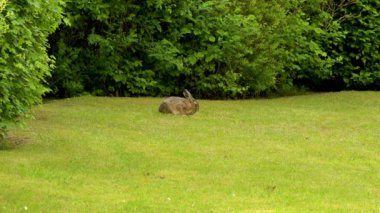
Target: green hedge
360 49
217 49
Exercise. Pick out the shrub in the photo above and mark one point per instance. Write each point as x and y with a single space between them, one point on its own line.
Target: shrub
360 48
25 25
215 48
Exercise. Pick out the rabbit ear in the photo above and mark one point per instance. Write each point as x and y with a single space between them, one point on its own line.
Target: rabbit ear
187 94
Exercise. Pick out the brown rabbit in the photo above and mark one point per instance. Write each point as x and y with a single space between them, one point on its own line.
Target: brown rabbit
180 106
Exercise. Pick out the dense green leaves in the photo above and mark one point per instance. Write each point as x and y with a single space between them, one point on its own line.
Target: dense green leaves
25 25
3 30
3 25
360 52
336 45
218 49
214 48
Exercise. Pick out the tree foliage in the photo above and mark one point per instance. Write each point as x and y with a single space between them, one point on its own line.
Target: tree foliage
25 26
216 48
335 45
3 30
360 48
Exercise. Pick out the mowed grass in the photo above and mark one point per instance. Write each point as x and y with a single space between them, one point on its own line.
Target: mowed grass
314 153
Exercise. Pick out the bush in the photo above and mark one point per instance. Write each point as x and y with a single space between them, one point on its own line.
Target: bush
25 25
360 49
308 40
217 49
335 46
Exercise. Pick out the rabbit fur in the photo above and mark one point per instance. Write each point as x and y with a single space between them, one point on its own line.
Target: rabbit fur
180 106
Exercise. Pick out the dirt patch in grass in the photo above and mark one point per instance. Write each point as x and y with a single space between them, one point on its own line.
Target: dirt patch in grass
13 142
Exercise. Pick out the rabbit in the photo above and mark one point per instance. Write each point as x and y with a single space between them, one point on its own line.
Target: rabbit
180 106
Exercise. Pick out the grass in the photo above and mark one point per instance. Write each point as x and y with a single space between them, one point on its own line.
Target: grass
314 153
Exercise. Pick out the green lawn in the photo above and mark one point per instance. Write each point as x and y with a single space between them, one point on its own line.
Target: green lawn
312 153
